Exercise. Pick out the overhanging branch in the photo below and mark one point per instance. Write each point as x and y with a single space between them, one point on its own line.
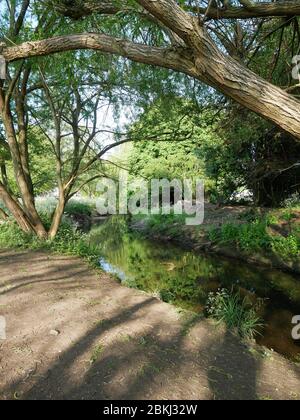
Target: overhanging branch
252 10
77 10
157 56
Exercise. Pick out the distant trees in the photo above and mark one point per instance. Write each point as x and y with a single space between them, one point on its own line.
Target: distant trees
231 150
178 156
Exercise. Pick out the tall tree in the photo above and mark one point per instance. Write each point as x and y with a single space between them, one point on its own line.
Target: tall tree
190 46
212 42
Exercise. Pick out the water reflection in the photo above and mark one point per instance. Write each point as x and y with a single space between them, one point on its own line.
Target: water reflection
185 278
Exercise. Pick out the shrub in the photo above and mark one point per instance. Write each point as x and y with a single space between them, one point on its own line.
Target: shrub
46 206
286 247
79 207
254 237
292 201
248 237
235 312
68 241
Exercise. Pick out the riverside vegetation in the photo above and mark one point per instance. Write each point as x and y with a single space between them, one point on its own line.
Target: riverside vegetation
272 233
225 305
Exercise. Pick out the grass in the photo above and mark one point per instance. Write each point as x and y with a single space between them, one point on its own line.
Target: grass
98 350
258 235
166 224
83 206
235 312
67 242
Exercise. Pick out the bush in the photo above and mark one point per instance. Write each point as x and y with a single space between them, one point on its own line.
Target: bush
68 241
46 206
286 247
248 237
235 312
79 207
254 237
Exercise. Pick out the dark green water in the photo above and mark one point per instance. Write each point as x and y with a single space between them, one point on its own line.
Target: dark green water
186 278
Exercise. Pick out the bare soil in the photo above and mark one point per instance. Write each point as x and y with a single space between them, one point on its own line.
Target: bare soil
73 333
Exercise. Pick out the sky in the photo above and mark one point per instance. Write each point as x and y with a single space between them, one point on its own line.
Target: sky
107 121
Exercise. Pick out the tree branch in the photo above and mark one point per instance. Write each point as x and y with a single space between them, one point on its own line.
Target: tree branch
21 17
157 56
202 60
86 8
252 10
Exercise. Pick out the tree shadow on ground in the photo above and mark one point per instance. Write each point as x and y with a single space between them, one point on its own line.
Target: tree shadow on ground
130 346
147 366
232 371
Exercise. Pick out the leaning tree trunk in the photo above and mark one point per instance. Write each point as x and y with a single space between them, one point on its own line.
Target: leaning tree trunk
3 215
57 217
200 59
16 210
24 182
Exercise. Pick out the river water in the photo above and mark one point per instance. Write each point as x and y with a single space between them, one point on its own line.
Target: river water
185 278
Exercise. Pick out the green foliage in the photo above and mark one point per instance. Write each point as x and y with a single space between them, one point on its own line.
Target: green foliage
41 161
248 237
46 206
78 207
183 129
286 246
166 295
266 163
68 241
235 312
256 237
211 149
169 224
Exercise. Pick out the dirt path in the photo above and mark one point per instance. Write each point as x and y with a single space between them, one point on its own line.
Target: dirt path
117 343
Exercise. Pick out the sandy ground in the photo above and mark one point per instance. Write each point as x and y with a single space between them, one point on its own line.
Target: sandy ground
118 343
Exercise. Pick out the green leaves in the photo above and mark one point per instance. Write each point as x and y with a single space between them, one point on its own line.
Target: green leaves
184 130
235 312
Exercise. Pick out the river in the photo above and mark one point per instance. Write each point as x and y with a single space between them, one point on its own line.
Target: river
185 278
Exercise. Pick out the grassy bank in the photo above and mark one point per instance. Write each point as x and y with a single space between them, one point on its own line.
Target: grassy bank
276 232
266 236
68 241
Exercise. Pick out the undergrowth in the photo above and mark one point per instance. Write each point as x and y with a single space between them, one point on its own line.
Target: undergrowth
235 312
68 241
256 236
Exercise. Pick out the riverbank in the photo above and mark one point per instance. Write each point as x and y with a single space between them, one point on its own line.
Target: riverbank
269 238
73 333
181 277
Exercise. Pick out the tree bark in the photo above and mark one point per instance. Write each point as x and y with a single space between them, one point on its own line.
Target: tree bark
3 215
249 9
201 60
257 10
24 186
16 210
57 217
19 155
